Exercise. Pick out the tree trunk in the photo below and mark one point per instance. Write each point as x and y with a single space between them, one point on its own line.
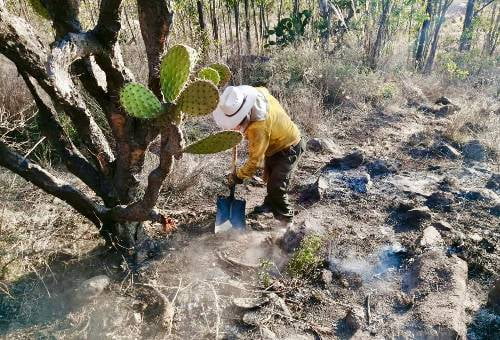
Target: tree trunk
296 7
423 36
247 27
466 38
53 74
435 40
236 9
382 29
256 29
201 19
493 34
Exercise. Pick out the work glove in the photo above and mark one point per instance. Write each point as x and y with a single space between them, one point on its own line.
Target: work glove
233 179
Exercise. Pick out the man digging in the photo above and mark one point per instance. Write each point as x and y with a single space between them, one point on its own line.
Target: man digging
273 140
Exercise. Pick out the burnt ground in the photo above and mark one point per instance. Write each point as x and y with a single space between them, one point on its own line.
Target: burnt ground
374 267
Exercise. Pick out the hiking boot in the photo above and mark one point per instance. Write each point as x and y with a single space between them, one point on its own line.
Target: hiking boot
262 209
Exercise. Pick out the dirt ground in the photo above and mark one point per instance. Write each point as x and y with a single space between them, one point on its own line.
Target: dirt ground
370 283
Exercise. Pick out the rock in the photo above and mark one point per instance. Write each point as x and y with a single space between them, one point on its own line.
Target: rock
350 161
446 110
294 235
267 334
440 200
443 226
442 101
431 238
495 210
355 318
439 284
474 150
326 277
445 150
494 297
250 303
475 237
317 190
494 183
416 216
380 168
321 145
481 194
92 288
256 317
360 183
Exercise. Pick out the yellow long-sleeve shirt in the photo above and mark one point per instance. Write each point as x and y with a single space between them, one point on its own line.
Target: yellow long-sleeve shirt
267 137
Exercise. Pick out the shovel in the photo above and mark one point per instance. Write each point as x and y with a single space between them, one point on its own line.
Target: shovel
230 211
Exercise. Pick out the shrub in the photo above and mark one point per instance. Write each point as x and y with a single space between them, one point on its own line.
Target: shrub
307 258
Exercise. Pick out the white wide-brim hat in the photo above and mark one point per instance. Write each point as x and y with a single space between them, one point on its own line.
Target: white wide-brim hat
235 104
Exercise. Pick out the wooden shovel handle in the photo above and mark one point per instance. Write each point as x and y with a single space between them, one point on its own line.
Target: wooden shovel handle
235 158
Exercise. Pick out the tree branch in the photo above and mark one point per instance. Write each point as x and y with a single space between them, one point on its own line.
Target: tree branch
50 184
75 162
19 43
155 17
171 146
109 23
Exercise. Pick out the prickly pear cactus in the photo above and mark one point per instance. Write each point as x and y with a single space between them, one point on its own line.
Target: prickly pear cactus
39 8
175 69
209 73
217 142
139 101
224 73
199 98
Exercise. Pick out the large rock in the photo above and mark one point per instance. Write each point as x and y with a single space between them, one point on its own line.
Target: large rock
321 145
494 297
431 238
350 161
439 284
475 150
317 190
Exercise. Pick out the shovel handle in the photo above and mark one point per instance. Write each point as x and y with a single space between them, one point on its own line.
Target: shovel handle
233 170
234 159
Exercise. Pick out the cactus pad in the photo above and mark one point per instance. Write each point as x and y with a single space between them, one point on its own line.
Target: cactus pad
139 101
199 98
175 68
217 142
39 9
209 73
224 73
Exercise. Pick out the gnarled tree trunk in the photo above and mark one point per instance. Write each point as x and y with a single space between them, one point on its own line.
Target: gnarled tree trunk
54 75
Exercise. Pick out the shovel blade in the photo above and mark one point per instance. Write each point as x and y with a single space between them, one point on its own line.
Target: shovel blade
230 214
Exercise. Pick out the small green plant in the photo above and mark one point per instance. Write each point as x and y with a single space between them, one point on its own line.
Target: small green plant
306 258
289 30
387 91
182 96
263 274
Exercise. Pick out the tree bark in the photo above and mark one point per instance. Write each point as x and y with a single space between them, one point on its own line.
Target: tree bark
423 36
155 18
466 37
382 29
247 27
52 76
432 54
